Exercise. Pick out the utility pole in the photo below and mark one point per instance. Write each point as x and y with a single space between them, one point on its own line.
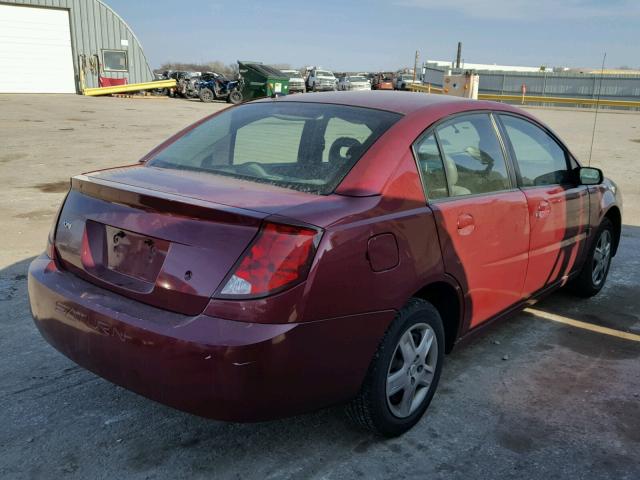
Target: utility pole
459 56
415 65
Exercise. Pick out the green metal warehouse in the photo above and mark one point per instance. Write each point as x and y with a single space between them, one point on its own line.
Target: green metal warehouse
50 46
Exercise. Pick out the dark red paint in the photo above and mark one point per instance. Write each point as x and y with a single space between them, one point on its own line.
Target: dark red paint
156 328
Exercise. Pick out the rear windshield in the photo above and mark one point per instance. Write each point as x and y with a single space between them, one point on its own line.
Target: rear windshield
292 73
302 146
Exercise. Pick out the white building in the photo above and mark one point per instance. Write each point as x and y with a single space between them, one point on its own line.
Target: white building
442 64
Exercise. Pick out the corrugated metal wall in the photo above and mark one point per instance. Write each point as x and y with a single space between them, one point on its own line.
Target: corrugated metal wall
620 87
95 27
615 87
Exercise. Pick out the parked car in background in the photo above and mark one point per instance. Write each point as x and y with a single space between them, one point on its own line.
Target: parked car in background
321 80
286 255
158 77
382 81
296 81
403 80
353 83
188 85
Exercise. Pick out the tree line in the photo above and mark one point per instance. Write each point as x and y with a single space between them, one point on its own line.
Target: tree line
217 66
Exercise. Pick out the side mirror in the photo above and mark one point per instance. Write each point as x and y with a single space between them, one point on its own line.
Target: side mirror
590 176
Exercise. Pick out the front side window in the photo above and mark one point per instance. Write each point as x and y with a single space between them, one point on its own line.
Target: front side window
114 61
303 146
431 167
540 159
473 158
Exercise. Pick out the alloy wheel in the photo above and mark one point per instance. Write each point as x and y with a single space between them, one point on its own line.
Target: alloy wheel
412 370
601 258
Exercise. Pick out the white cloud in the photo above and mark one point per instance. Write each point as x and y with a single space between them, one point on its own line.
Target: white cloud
531 9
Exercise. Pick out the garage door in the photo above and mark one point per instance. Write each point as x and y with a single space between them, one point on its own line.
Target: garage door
35 51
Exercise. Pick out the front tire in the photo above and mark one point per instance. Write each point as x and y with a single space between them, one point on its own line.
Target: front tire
594 272
404 373
206 95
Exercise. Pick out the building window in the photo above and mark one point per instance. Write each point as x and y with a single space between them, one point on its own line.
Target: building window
114 61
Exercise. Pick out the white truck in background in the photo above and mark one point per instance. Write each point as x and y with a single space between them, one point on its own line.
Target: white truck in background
296 81
319 79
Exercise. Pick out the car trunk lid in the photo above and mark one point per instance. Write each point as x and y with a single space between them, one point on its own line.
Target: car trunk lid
159 236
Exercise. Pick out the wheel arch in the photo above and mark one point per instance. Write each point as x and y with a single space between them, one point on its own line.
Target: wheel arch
615 217
446 297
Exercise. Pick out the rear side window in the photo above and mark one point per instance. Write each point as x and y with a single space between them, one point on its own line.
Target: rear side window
540 159
473 158
303 146
342 132
431 167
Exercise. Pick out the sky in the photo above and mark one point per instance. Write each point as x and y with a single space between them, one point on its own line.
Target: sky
354 35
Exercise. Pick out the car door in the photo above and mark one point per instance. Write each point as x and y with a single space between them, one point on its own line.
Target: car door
481 215
558 206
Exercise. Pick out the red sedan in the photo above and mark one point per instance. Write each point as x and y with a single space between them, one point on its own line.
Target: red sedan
290 254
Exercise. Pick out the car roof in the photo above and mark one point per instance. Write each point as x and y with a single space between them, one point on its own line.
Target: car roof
400 102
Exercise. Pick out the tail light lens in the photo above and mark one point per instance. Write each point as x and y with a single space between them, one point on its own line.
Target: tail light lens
278 258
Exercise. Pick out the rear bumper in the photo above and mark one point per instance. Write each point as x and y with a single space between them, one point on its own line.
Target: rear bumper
223 369
324 87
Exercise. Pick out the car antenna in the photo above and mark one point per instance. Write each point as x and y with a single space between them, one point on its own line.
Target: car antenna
595 118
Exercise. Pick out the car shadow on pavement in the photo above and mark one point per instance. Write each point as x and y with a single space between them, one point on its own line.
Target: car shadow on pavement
617 305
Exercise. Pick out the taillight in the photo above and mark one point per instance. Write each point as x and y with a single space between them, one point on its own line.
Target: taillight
278 258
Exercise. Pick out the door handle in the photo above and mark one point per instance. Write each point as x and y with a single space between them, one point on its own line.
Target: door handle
466 224
543 210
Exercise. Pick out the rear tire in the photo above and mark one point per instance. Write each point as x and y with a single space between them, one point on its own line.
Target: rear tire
235 97
404 373
594 272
